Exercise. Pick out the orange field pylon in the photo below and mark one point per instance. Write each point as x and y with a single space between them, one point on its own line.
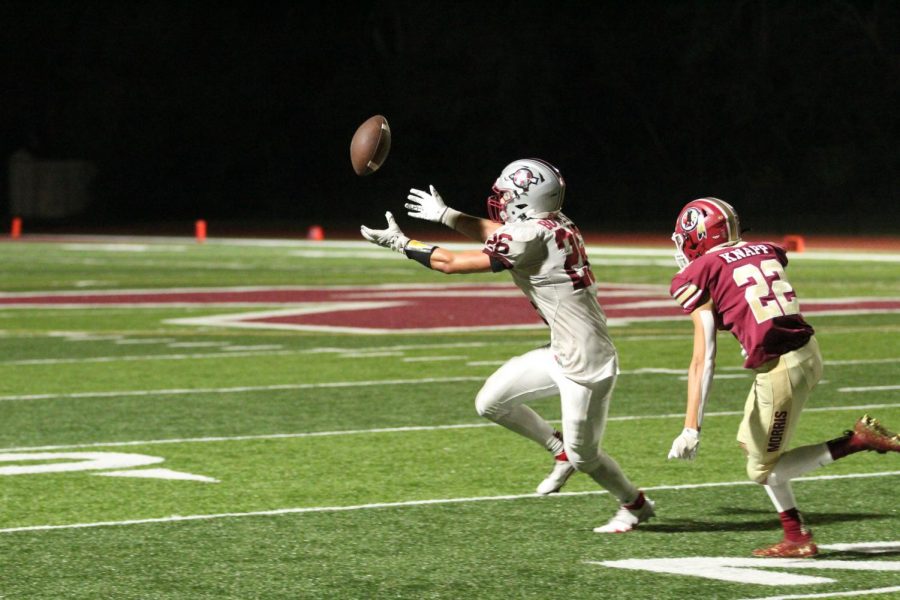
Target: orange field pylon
315 233
794 243
200 231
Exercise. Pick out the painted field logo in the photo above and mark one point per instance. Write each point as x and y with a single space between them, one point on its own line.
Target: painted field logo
774 572
383 309
107 464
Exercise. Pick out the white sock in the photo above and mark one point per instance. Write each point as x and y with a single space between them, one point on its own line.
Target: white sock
782 496
554 444
798 461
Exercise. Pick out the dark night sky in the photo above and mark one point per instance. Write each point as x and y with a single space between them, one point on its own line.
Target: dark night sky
240 110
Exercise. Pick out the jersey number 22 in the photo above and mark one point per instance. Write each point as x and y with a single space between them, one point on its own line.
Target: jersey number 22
767 299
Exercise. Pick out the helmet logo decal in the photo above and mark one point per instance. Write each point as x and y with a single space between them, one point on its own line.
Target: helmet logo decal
523 179
691 219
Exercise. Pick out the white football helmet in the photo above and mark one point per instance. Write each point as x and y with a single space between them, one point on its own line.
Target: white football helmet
530 188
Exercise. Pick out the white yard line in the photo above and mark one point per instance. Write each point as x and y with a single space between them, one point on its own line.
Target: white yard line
145 357
363 247
408 503
865 547
235 353
867 593
250 351
239 389
350 384
407 429
861 361
871 388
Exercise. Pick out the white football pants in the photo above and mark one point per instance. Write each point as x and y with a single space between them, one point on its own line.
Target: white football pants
536 374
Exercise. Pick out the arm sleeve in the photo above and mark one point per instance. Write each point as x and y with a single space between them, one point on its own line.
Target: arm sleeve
709 362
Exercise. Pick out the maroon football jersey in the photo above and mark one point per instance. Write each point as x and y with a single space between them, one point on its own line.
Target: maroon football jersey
752 296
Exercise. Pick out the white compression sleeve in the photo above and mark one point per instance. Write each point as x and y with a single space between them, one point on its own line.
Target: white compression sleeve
709 361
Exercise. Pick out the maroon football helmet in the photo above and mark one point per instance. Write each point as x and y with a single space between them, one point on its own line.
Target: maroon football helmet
703 224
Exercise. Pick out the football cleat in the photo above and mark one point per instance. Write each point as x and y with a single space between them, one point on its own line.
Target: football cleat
562 470
869 434
626 519
789 549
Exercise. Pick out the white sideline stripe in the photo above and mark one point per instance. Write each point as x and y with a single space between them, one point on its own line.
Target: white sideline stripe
236 354
350 384
239 389
363 247
871 388
410 359
406 503
410 428
240 352
861 361
871 592
149 357
267 288
864 547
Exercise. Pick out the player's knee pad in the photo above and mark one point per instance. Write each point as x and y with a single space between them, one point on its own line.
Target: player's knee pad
780 474
586 465
489 405
583 459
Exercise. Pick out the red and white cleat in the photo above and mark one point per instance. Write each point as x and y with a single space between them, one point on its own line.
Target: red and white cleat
629 516
789 549
562 470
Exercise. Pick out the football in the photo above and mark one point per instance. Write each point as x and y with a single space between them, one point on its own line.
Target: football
370 145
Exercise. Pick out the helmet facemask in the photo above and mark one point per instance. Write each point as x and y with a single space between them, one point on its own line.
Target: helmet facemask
680 259
496 205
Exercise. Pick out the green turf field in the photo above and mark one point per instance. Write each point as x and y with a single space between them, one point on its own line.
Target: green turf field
284 463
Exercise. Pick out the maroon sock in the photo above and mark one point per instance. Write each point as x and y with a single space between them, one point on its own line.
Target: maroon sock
792 522
843 446
638 502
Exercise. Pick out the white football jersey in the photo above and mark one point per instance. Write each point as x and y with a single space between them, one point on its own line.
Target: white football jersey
549 264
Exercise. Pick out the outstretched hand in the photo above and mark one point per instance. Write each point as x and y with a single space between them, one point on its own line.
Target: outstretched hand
428 206
685 446
391 237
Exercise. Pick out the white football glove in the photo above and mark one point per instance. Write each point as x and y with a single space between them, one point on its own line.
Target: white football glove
430 207
685 445
391 237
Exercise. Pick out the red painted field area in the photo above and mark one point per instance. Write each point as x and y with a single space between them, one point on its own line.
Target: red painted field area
379 309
